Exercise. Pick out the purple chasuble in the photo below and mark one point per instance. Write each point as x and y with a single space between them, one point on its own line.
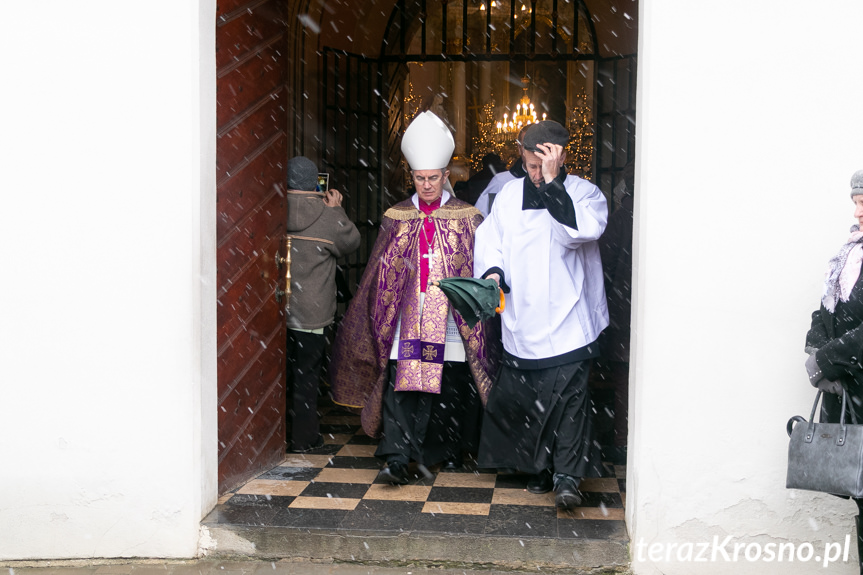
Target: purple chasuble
389 289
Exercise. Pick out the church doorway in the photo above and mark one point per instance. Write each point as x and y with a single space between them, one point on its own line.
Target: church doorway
346 105
292 81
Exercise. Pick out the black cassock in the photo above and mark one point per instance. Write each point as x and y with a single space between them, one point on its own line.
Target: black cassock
539 419
429 427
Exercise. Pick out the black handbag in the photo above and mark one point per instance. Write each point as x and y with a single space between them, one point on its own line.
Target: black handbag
826 457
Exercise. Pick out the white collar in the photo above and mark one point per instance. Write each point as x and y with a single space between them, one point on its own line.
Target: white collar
443 199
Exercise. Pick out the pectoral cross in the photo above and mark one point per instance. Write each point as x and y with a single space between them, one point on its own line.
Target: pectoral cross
430 256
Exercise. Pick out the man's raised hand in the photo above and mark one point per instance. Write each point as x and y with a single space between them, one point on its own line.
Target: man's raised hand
553 157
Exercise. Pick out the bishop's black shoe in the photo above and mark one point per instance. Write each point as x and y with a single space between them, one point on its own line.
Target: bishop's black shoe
317 444
452 464
395 473
541 483
566 494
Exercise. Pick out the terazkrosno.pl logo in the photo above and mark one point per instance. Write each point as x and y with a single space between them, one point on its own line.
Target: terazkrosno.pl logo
729 550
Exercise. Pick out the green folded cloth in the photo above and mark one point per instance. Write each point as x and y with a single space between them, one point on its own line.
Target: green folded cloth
474 299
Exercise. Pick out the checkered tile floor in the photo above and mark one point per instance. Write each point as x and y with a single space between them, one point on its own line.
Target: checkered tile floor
335 488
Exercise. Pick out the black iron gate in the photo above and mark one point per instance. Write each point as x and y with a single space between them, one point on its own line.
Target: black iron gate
615 119
354 122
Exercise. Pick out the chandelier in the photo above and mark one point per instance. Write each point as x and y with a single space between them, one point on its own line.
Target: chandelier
525 113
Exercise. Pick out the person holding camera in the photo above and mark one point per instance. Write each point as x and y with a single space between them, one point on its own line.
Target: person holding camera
318 232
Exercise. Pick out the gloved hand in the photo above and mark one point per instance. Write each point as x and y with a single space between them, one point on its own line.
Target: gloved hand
828 386
813 371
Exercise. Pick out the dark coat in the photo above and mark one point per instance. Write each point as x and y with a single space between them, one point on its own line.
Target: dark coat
838 339
470 190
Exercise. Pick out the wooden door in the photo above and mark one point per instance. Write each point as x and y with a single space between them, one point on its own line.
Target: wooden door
251 176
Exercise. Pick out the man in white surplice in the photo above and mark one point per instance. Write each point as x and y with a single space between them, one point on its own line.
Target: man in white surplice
539 243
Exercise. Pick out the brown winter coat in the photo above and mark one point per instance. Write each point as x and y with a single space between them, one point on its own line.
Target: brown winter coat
318 235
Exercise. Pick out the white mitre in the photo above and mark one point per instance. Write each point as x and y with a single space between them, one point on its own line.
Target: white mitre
427 143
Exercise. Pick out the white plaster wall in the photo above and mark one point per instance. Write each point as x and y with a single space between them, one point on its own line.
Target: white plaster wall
750 116
107 302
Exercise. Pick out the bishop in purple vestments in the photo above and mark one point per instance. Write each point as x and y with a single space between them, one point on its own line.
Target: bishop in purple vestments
413 366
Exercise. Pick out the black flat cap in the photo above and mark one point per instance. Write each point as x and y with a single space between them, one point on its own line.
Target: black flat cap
545 132
302 174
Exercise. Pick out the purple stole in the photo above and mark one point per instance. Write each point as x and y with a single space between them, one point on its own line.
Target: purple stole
423 329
